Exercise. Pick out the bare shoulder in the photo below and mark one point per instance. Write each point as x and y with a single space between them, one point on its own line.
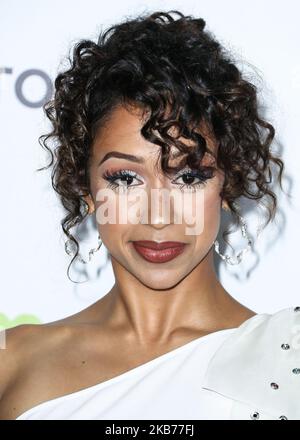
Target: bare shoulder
14 341
21 347
21 343
28 343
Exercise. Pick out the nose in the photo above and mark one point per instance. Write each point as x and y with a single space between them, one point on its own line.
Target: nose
160 207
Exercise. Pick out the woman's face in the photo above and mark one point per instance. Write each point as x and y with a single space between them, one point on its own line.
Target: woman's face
122 134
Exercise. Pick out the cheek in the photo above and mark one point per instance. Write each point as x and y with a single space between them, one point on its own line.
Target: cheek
107 218
112 235
211 211
113 221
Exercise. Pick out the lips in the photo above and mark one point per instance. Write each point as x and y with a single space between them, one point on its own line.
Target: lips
158 252
158 246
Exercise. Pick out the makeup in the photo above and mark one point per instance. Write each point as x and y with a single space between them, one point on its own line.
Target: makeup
158 252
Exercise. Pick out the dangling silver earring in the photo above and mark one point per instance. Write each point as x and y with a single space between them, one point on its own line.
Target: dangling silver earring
236 260
69 246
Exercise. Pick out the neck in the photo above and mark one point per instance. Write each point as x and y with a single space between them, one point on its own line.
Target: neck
198 305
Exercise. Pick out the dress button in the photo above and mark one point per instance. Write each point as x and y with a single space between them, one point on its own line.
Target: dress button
297 309
274 385
255 415
296 370
285 346
283 418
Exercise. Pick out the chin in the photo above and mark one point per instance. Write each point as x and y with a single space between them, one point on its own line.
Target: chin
159 281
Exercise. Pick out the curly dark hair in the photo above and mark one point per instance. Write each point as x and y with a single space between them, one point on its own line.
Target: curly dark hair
155 62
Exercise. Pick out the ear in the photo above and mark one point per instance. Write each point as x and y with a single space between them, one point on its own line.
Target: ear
90 202
225 205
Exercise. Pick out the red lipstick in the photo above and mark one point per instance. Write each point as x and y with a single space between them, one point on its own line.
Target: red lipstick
158 252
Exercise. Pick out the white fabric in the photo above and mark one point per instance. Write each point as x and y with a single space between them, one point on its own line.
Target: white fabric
167 387
224 375
252 359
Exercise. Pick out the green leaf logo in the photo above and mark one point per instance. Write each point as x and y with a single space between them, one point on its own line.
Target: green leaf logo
6 323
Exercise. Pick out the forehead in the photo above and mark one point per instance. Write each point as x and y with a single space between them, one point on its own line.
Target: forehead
122 129
120 124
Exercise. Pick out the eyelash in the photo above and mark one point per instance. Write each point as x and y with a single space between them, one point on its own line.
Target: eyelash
199 174
112 177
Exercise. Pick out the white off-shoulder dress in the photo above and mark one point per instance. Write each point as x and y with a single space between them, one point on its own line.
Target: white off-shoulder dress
167 387
248 372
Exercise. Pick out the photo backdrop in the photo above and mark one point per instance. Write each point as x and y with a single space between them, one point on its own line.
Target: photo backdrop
35 38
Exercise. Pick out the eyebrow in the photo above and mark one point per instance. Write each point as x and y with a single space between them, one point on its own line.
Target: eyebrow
120 155
131 157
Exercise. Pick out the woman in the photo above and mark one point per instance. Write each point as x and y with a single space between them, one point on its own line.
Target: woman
157 104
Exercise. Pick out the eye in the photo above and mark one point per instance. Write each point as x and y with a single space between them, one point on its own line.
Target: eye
194 179
124 176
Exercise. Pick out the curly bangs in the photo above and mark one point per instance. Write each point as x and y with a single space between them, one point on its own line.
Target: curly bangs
181 77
